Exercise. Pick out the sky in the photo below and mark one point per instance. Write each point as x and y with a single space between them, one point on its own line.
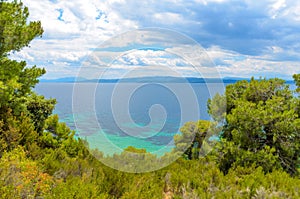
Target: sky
240 38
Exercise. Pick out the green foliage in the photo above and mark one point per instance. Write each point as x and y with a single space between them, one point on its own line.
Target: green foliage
191 138
217 108
21 177
262 126
56 130
39 110
16 131
16 80
297 81
133 160
135 150
18 104
76 187
15 32
202 179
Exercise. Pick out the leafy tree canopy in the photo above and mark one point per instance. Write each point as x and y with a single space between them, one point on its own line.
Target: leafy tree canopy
15 31
23 114
262 126
192 137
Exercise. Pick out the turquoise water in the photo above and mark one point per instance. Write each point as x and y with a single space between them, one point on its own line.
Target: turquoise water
111 144
148 116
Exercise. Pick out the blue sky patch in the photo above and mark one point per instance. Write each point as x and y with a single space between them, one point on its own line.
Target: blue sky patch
61 12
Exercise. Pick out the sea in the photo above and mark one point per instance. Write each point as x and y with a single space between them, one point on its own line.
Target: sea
113 116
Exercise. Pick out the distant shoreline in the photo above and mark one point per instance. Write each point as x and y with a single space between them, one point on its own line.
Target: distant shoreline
149 80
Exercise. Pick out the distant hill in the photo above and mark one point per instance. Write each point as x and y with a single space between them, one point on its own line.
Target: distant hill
64 80
157 79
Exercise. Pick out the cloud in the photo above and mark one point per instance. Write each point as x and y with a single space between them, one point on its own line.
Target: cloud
243 38
71 32
228 24
168 18
230 63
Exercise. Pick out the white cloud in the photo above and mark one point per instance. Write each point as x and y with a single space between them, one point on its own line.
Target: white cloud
168 17
205 2
74 36
231 63
276 7
229 30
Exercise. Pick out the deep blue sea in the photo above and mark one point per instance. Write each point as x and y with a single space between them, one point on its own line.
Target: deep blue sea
114 116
